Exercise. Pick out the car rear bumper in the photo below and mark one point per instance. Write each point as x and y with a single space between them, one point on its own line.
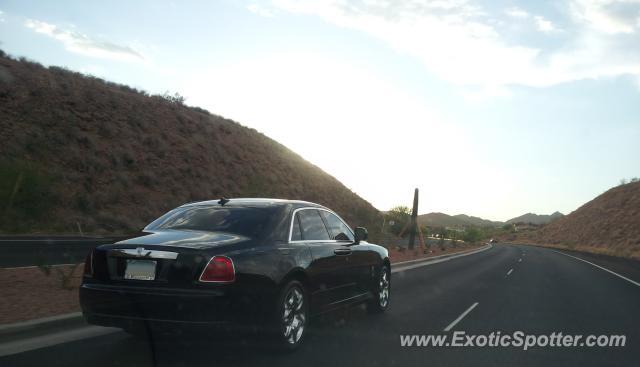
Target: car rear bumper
131 323
120 306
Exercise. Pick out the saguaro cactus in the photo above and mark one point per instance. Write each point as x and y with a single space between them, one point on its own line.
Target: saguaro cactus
414 219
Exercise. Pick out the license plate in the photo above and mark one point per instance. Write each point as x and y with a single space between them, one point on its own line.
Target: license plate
140 269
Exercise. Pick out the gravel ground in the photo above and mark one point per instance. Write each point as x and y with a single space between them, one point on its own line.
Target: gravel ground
28 293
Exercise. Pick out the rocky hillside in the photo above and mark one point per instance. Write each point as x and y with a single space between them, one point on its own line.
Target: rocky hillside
537 219
608 224
82 154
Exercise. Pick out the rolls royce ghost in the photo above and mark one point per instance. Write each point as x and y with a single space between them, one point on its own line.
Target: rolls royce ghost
262 262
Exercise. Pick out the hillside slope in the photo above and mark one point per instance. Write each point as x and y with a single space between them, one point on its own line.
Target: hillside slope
536 218
79 153
608 224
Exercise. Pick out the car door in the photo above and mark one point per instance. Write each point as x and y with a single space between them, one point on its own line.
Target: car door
328 271
358 263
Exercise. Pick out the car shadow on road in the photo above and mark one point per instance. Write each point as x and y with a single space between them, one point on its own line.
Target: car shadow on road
327 333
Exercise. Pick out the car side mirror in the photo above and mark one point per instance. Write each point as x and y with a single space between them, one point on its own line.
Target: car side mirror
361 234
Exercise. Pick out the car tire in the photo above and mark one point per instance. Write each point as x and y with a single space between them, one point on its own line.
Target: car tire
291 318
381 291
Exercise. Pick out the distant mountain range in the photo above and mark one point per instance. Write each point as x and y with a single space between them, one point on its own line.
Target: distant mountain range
536 218
463 220
460 220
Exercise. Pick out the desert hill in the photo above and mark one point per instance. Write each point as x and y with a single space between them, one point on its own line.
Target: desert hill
537 219
608 224
79 153
460 221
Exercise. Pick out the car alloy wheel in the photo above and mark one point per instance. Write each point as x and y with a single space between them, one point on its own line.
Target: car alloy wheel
381 291
294 315
383 288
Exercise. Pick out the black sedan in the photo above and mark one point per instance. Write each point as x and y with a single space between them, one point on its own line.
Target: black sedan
239 262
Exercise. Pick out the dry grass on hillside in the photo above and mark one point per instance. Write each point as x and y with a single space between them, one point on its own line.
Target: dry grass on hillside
108 158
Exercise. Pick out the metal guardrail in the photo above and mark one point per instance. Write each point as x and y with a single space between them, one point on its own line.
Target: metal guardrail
32 251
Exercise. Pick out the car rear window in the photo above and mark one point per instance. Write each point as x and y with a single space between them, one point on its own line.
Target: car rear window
245 221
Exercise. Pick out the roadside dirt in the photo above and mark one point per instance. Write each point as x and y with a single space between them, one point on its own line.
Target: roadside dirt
28 293
406 255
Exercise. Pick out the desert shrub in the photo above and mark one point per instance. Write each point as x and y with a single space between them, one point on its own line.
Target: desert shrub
255 187
85 141
26 195
36 143
30 63
200 110
441 243
128 159
84 203
171 98
117 223
106 130
398 219
65 276
59 70
472 235
146 179
508 227
36 93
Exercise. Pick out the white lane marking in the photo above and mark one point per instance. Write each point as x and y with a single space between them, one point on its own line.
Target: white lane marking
509 272
433 260
452 324
19 346
600 267
520 260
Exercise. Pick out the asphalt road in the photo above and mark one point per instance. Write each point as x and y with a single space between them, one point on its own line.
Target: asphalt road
516 288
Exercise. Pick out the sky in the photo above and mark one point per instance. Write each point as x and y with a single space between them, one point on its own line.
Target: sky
490 108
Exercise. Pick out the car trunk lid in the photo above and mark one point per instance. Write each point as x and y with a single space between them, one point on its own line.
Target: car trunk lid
164 258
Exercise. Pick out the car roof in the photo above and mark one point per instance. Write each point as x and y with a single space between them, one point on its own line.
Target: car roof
254 202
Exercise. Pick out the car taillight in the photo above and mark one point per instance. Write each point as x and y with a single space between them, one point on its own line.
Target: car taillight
219 269
88 265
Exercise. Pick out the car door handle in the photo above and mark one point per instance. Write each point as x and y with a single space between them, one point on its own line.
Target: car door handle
342 251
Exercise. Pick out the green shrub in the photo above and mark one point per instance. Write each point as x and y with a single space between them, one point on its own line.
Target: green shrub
472 235
26 196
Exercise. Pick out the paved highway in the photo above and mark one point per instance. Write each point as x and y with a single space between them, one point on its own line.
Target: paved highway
507 288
